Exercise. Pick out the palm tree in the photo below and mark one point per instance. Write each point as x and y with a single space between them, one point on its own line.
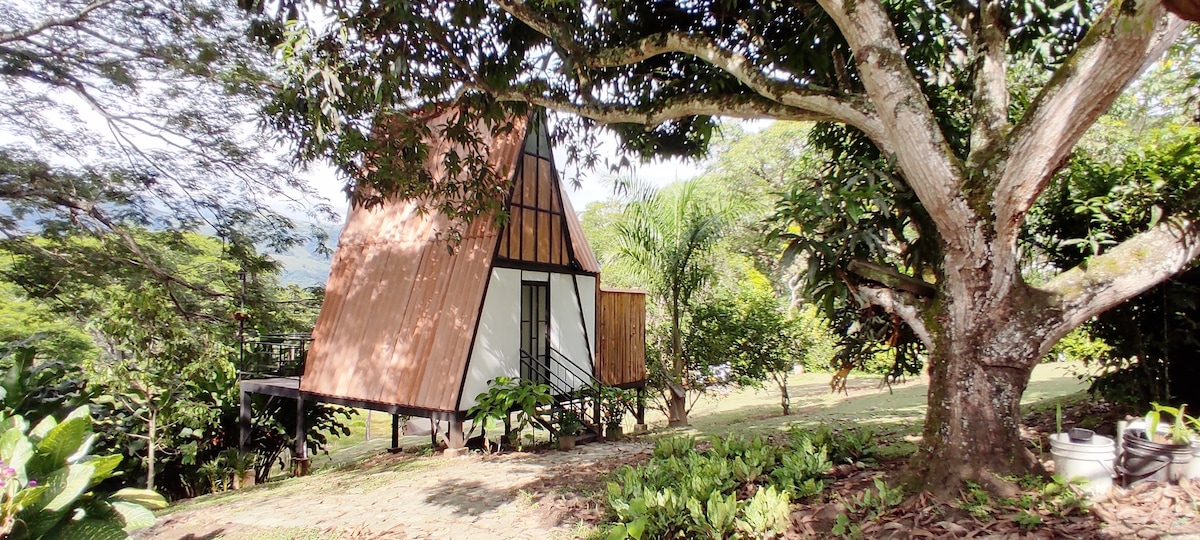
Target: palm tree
666 235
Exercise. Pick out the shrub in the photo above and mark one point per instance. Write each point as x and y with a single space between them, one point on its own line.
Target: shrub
36 389
684 492
49 479
845 445
506 394
614 403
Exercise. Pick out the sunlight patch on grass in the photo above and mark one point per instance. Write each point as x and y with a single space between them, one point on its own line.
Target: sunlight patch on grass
900 407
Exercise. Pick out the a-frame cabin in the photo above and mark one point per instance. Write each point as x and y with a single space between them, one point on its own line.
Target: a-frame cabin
411 326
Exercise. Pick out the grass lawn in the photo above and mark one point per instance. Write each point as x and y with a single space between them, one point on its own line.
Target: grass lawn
900 410
751 410
357 446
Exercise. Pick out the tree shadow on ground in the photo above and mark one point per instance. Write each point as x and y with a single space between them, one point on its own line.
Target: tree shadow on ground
469 498
572 491
206 536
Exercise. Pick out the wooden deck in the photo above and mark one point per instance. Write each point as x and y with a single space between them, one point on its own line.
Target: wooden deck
288 387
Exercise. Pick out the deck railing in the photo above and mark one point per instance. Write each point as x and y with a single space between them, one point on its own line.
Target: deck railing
274 355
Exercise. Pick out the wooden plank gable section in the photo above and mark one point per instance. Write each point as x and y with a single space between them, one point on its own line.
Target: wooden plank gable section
400 307
543 229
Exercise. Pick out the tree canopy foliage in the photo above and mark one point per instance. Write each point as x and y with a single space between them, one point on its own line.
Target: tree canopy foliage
125 113
134 186
159 363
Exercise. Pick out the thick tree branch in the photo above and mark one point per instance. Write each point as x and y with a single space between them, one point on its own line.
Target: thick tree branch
902 305
654 114
892 278
990 68
1122 43
558 35
852 110
910 127
26 33
1123 272
93 211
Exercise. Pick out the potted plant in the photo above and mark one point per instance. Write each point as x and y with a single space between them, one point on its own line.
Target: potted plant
1080 455
504 396
615 403
1157 452
242 465
568 427
612 428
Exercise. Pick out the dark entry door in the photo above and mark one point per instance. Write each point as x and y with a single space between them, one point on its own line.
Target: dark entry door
535 331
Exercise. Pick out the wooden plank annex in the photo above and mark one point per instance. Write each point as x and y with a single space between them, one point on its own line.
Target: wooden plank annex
621 355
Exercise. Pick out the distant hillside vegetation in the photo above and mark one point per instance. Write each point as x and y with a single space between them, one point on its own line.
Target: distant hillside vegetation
305 265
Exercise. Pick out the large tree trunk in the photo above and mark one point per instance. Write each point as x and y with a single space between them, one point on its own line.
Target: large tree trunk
972 428
988 332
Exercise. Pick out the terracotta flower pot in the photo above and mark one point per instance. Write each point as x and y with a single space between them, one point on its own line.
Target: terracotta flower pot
566 442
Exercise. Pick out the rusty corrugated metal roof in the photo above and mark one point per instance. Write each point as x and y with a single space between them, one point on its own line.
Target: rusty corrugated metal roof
583 251
400 307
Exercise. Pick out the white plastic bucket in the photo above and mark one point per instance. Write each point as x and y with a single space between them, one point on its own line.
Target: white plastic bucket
1193 468
1091 461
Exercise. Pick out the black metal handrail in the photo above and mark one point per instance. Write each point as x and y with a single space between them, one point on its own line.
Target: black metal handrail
545 375
594 386
275 355
574 369
566 397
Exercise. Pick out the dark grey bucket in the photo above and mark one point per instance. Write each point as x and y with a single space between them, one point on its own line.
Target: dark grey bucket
1143 460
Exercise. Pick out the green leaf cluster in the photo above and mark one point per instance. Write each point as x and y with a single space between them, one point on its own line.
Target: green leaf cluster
1137 351
38 390
506 395
846 445
750 333
160 353
50 480
615 403
740 488
1055 496
857 209
1181 430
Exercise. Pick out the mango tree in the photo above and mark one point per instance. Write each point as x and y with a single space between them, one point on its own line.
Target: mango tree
926 86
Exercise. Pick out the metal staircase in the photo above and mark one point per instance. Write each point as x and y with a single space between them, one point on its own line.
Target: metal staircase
575 391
